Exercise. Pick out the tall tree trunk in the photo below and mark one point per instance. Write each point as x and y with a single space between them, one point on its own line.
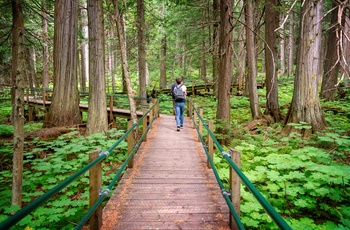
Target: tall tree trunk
305 106
162 56
141 49
45 41
346 50
282 46
331 64
18 63
123 51
97 116
271 23
64 109
242 53
223 107
216 40
84 49
291 45
251 55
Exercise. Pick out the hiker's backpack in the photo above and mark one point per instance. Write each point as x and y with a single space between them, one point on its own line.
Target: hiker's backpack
179 93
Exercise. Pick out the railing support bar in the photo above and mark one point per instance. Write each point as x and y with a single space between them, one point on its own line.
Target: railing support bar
235 187
144 124
200 125
95 175
210 143
130 143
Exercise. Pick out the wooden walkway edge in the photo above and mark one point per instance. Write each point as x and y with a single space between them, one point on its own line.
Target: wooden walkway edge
169 187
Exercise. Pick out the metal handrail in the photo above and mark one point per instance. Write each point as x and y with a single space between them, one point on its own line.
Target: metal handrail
276 217
12 220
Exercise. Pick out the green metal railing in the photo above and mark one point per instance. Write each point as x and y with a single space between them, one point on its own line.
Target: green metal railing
277 218
12 220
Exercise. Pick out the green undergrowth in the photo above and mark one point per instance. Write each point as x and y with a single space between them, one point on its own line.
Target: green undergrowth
305 180
46 164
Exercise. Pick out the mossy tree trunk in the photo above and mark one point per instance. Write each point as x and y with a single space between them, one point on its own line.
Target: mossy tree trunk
141 35
225 68
64 109
305 106
271 24
97 116
332 61
251 59
18 64
123 51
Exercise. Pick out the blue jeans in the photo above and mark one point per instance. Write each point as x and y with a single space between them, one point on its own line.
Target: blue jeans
180 117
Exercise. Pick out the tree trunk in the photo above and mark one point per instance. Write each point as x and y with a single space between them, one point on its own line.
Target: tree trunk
64 109
331 64
45 41
97 116
291 45
251 55
18 63
141 49
123 51
345 52
271 23
223 107
305 106
242 54
216 39
282 45
84 49
162 56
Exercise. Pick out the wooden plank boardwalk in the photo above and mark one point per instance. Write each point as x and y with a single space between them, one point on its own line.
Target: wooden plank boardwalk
169 187
123 113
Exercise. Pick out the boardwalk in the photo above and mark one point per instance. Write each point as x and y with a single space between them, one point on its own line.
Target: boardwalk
169 186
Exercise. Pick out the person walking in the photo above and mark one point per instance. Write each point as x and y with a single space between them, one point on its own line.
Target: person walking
180 98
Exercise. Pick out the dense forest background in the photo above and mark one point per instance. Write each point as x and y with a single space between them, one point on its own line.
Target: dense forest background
293 133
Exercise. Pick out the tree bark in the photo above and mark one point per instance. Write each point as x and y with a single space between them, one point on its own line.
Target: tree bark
282 46
84 49
332 64
123 51
141 50
45 41
242 54
271 23
162 56
223 107
64 109
216 40
97 116
291 45
251 56
18 63
305 106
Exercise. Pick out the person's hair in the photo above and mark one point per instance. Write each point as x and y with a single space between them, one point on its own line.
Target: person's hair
178 80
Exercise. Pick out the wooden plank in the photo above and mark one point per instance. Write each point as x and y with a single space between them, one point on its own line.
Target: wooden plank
169 187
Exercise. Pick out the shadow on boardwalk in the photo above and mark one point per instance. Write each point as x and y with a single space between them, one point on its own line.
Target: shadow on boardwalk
169 187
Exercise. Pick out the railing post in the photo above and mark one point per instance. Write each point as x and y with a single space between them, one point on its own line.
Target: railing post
130 143
210 143
188 106
111 117
200 125
235 187
150 115
95 175
144 124
195 114
193 87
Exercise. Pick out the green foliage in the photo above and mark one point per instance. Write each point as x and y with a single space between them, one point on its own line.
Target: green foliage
51 162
